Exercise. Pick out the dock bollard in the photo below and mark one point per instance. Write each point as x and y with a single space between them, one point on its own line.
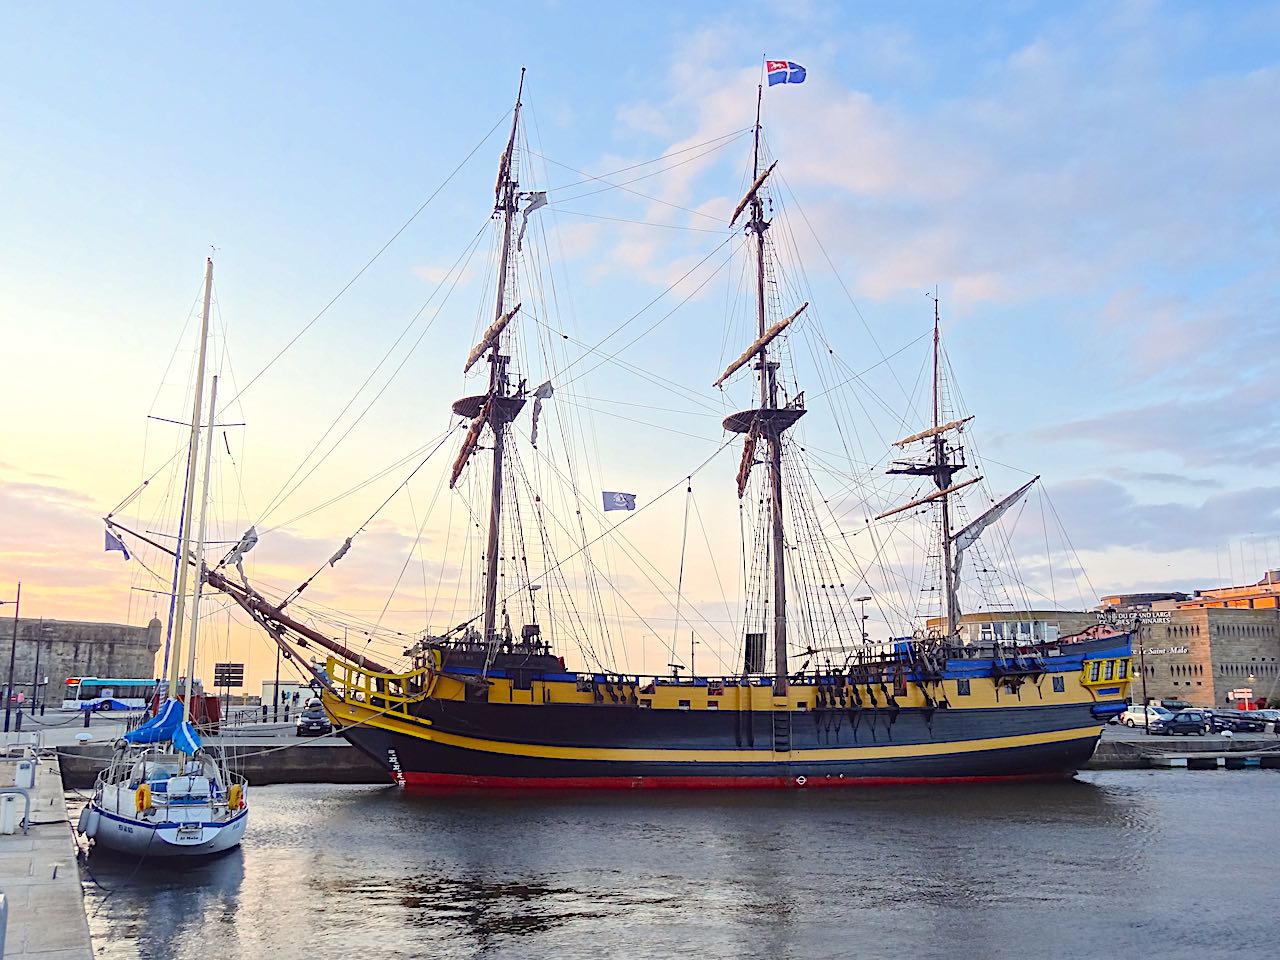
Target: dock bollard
86 719
18 728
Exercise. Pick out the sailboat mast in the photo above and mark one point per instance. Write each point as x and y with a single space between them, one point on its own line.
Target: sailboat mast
773 438
193 449
506 204
199 553
942 477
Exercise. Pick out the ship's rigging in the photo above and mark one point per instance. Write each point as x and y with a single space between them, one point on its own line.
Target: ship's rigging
545 570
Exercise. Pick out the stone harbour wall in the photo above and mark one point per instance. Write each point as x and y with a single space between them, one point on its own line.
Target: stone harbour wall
70 648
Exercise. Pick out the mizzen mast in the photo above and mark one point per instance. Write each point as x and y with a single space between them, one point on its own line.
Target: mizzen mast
941 468
768 420
500 405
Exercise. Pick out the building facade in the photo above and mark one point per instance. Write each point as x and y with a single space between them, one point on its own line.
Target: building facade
1202 648
65 648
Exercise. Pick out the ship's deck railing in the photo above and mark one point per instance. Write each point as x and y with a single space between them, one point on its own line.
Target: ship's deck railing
389 691
393 692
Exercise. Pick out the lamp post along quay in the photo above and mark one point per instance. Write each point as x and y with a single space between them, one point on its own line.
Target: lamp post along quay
13 650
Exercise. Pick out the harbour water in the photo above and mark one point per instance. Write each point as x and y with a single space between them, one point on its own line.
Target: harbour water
1127 863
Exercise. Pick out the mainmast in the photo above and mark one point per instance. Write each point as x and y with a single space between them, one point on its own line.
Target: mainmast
501 404
767 420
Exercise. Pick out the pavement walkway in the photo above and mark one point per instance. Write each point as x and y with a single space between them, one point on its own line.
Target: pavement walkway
40 878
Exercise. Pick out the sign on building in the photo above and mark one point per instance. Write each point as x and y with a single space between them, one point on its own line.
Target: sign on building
228 675
1244 693
1135 616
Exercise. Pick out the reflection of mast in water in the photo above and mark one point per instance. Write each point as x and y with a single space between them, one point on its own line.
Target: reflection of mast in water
166 913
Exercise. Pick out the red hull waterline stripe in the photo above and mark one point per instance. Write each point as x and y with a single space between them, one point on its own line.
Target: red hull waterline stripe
453 781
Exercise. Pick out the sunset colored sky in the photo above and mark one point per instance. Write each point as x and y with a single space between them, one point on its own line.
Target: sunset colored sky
1090 187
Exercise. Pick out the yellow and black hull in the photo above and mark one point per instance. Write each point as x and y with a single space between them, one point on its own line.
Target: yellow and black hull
558 734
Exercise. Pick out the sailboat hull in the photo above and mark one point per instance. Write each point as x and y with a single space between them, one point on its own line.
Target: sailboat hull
130 835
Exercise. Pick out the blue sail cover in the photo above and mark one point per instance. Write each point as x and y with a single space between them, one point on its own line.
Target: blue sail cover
167 725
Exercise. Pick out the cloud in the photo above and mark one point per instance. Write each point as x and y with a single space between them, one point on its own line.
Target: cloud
1171 479
1100 514
1233 427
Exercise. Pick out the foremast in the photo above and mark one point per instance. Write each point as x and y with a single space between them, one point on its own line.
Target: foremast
767 421
500 405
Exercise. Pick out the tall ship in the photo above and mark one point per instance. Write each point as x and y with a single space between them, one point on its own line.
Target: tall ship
498 701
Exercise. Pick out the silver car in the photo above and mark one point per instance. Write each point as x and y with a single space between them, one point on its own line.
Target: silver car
1137 715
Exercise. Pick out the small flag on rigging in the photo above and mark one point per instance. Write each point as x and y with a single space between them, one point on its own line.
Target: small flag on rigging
619 501
783 71
115 543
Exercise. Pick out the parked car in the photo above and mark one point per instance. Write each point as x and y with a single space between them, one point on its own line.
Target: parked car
312 722
1236 722
1185 722
1271 717
1137 715
1173 705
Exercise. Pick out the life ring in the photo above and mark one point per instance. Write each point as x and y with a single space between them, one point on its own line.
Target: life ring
142 797
235 797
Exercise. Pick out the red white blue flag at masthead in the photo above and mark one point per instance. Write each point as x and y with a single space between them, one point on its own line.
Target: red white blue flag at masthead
783 71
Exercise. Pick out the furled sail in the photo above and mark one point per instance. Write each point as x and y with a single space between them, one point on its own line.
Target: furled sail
761 342
490 337
932 431
469 443
751 193
937 494
968 536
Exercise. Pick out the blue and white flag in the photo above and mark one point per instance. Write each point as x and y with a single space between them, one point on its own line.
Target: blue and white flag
619 501
783 71
115 543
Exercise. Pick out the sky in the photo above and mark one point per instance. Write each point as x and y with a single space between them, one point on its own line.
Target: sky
1088 187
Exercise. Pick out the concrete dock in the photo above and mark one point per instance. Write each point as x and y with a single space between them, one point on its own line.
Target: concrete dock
40 878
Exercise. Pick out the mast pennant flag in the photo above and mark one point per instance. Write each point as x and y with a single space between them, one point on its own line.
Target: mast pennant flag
619 501
783 71
115 543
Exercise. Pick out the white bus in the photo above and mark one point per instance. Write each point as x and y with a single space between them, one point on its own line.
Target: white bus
96 693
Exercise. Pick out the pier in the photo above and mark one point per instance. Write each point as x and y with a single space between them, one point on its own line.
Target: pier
39 876
1128 751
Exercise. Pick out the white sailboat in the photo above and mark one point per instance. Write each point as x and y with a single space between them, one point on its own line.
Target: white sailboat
163 794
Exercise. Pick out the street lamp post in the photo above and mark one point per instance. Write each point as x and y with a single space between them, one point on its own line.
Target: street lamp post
863 617
13 651
1142 661
275 695
1248 703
